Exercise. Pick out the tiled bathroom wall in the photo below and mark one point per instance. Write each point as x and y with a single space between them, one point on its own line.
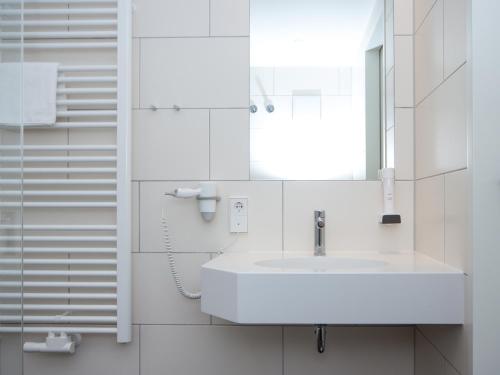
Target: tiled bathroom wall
442 168
194 55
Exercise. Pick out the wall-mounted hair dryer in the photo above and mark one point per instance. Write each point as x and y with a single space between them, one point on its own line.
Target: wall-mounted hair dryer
206 195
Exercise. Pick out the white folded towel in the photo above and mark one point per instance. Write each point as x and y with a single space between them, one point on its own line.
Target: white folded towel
39 93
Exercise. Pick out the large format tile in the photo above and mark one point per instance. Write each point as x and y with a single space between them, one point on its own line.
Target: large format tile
403 17
403 76
404 144
455 35
382 350
195 72
171 18
428 361
429 53
211 350
441 128
190 233
97 355
229 17
229 144
429 217
421 9
156 299
352 214
457 220
170 145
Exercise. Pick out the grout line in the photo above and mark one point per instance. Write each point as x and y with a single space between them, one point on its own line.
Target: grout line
439 85
441 174
436 348
418 27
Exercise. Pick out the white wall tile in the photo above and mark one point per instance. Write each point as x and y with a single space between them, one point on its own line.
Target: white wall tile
135 216
97 355
457 215
429 53
404 144
403 76
211 350
229 144
428 361
229 17
190 233
429 216
352 207
441 128
455 35
156 299
383 351
171 18
422 8
169 144
195 72
136 62
403 17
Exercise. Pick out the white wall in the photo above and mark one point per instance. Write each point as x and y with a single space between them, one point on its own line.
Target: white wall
195 55
486 172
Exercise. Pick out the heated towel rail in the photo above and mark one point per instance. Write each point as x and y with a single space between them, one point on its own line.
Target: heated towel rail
67 268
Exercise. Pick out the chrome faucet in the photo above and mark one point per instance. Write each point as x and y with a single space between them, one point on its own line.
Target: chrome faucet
319 233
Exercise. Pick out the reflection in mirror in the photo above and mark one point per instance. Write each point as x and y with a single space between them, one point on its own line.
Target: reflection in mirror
317 89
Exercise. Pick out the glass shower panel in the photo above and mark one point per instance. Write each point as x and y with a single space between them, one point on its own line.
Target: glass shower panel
11 167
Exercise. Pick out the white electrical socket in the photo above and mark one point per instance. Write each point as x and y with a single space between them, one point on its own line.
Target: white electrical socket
238 214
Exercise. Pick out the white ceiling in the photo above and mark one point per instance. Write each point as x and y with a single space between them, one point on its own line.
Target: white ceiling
307 32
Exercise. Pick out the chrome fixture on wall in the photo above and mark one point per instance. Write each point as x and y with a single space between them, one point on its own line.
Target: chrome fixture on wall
319 233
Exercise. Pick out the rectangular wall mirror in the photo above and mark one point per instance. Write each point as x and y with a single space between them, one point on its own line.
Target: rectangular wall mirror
318 90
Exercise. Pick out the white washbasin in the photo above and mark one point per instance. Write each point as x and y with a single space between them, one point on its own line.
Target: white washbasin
344 288
321 263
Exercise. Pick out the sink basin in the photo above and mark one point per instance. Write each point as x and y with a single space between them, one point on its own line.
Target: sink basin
344 288
319 264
